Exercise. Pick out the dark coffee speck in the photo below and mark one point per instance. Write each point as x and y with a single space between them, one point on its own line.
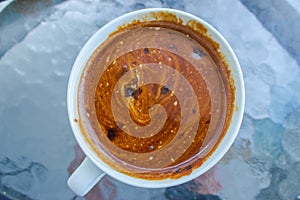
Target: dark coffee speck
128 91
197 54
146 50
124 69
111 134
137 93
165 90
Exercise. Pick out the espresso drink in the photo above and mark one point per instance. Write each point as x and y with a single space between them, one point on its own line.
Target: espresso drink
155 99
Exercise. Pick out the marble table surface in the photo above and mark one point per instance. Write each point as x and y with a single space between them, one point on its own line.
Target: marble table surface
39 41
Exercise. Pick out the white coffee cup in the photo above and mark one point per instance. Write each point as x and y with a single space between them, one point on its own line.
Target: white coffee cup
92 169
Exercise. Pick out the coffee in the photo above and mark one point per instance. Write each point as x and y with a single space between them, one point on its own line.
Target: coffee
155 99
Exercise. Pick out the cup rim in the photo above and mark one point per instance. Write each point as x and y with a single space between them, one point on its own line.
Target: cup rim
226 141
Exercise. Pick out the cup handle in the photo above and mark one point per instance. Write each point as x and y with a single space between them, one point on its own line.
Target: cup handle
85 177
